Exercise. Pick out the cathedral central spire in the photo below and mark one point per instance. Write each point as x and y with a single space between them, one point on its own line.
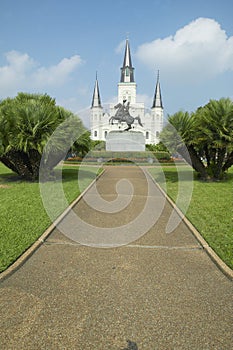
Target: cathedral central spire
127 70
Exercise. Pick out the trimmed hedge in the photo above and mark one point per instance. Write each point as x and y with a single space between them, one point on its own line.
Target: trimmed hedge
106 156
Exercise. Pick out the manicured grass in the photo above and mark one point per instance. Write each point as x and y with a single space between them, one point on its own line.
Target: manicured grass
22 215
210 209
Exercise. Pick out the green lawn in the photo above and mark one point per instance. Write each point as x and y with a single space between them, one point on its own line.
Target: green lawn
22 215
23 218
210 209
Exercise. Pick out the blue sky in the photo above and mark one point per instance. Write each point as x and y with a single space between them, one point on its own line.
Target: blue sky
56 47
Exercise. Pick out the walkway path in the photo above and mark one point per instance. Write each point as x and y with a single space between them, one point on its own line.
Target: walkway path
159 292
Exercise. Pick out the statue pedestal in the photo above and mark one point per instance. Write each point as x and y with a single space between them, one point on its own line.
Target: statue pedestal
120 141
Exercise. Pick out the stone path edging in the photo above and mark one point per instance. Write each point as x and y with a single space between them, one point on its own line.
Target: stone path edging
214 257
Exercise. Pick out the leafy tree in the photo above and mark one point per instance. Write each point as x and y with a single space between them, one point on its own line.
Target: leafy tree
98 145
178 137
27 123
159 147
204 139
83 144
214 135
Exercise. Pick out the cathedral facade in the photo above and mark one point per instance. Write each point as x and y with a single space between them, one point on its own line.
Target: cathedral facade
152 119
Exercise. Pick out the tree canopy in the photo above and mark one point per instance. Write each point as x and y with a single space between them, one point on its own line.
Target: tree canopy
31 124
204 138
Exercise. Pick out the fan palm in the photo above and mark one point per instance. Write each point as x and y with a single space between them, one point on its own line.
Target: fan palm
179 137
207 133
26 124
214 123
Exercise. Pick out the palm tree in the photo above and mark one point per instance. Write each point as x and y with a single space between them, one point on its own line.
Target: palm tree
178 136
68 134
214 123
26 125
206 134
83 144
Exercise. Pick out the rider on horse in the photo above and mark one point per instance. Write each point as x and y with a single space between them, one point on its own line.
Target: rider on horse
123 115
122 112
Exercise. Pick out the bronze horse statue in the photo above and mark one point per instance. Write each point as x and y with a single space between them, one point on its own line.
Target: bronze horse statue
123 115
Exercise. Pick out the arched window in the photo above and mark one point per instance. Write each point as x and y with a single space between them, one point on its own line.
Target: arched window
95 133
147 135
105 134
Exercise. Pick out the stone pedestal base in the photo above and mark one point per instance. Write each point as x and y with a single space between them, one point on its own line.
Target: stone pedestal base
120 141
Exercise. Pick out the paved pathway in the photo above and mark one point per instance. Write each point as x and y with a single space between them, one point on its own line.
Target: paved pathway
158 292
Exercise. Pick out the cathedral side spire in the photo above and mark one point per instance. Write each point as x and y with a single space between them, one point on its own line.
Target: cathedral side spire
157 101
127 70
96 101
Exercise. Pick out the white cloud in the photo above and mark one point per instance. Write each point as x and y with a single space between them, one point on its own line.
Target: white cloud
22 72
147 100
120 47
57 74
197 51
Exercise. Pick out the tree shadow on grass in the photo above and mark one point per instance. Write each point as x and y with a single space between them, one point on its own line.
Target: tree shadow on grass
7 177
131 346
72 174
174 176
67 175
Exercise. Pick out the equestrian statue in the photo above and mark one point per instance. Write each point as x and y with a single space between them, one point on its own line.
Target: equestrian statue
123 115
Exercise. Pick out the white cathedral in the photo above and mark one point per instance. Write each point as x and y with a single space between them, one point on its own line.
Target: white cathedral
152 119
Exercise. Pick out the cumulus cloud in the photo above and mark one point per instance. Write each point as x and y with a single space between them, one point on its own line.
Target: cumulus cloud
199 50
22 72
120 47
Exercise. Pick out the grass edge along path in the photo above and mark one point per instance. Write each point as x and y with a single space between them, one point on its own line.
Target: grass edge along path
210 209
23 218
